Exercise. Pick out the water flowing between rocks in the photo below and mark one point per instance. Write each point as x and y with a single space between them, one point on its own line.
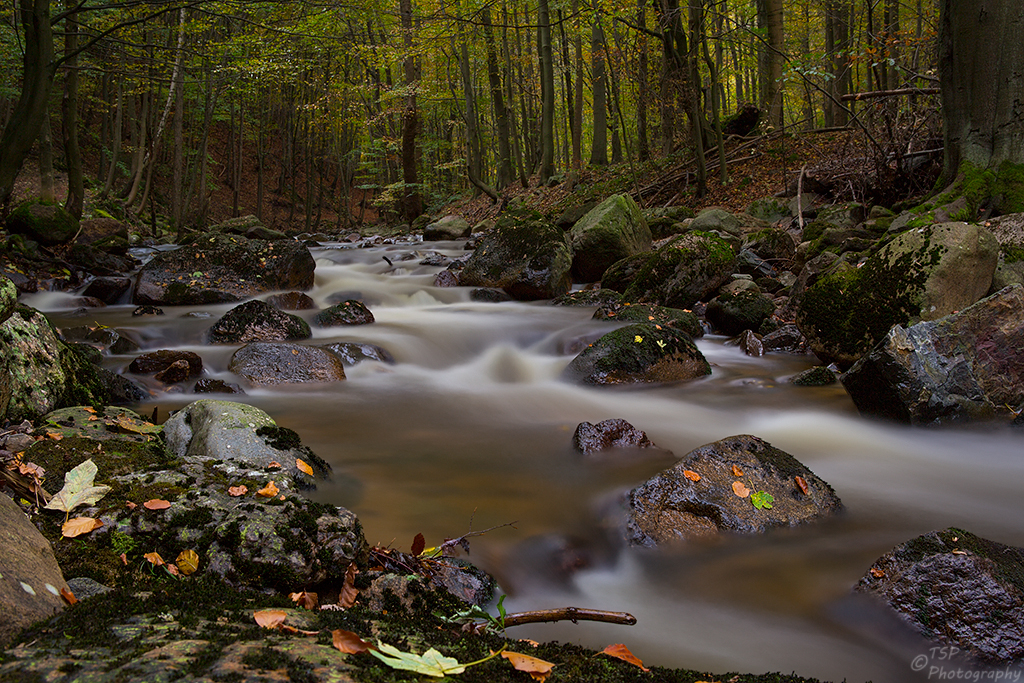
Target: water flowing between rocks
472 425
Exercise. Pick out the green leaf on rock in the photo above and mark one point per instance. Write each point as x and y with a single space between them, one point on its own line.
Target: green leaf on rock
78 489
430 663
762 499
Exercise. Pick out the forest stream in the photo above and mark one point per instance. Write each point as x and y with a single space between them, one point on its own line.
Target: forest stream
472 428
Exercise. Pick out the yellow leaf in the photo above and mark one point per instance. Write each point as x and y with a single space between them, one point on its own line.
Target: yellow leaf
188 562
740 490
537 668
303 466
638 339
79 525
268 491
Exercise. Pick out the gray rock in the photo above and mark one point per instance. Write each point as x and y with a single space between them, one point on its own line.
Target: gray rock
157 361
616 433
104 338
613 230
672 507
351 312
84 587
351 353
30 580
291 301
447 228
264 363
8 298
966 366
717 220
818 376
638 353
956 589
256 321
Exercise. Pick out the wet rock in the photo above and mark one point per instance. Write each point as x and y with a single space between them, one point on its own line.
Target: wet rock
956 589
750 343
446 278
146 310
786 339
250 227
30 580
686 321
265 364
44 222
639 353
698 496
257 321
613 230
351 312
588 297
527 257
966 366
110 290
615 433
818 376
44 372
158 361
292 301
923 274
104 338
121 390
178 371
351 353
99 262
434 258
207 385
215 268
771 244
488 295
96 229
744 310
689 268
447 228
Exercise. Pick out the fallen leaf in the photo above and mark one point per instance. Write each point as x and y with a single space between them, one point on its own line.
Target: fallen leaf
130 505
173 569
430 663
270 618
349 642
620 651
56 436
691 475
78 489
537 668
30 469
78 526
188 562
68 596
762 499
877 573
156 504
740 490
124 559
154 558
268 491
274 465
418 544
305 599
349 592
736 471
236 491
303 466
801 484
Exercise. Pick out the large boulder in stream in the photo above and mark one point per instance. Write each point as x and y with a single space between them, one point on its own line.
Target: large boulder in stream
528 258
613 230
639 353
966 366
265 364
923 274
740 484
957 589
230 478
256 321
45 222
732 313
688 269
216 268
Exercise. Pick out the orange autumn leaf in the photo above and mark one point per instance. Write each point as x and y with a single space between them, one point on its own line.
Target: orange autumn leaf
620 651
348 642
537 668
156 504
56 436
349 592
154 558
270 618
736 471
305 599
68 596
877 573
691 475
124 558
130 505
173 569
303 466
268 491
740 490
274 465
236 491
78 526
802 484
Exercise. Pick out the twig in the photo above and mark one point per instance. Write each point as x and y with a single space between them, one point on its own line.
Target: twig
572 614
799 198
449 544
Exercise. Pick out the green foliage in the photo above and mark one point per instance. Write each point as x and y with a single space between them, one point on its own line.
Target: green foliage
762 499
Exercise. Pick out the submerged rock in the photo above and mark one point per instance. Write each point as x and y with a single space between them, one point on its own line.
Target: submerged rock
615 433
957 589
718 488
256 321
265 364
351 353
637 354
966 366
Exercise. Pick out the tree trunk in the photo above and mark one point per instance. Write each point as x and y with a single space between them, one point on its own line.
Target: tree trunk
547 89
412 201
769 19
599 147
75 200
577 95
981 58
643 146
46 192
497 103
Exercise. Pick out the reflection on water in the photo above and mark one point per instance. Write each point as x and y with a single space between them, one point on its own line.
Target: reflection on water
471 428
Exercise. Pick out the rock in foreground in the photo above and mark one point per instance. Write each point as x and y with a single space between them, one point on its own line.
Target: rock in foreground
958 589
718 488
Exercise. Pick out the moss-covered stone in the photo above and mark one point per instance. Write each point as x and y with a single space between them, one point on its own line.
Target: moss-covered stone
45 222
613 230
351 312
687 321
257 320
639 353
527 257
684 271
731 313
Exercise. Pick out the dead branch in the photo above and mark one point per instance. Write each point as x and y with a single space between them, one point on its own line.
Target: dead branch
572 614
889 93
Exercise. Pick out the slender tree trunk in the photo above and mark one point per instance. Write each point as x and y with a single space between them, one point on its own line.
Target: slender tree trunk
599 146
46 192
547 88
769 15
696 115
577 95
178 161
75 200
117 133
412 200
501 123
642 143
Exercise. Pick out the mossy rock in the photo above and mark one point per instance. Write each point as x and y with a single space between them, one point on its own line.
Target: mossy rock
996 190
681 273
351 312
686 321
588 297
527 257
636 354
8 298
45 222
769 209
257 320
731 313
613 230
771 244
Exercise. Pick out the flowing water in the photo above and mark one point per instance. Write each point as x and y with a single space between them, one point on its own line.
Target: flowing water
471 428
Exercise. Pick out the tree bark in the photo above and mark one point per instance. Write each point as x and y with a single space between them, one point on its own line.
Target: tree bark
46 191
75 201
504 175
769 18
547 88
599 146
412 201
